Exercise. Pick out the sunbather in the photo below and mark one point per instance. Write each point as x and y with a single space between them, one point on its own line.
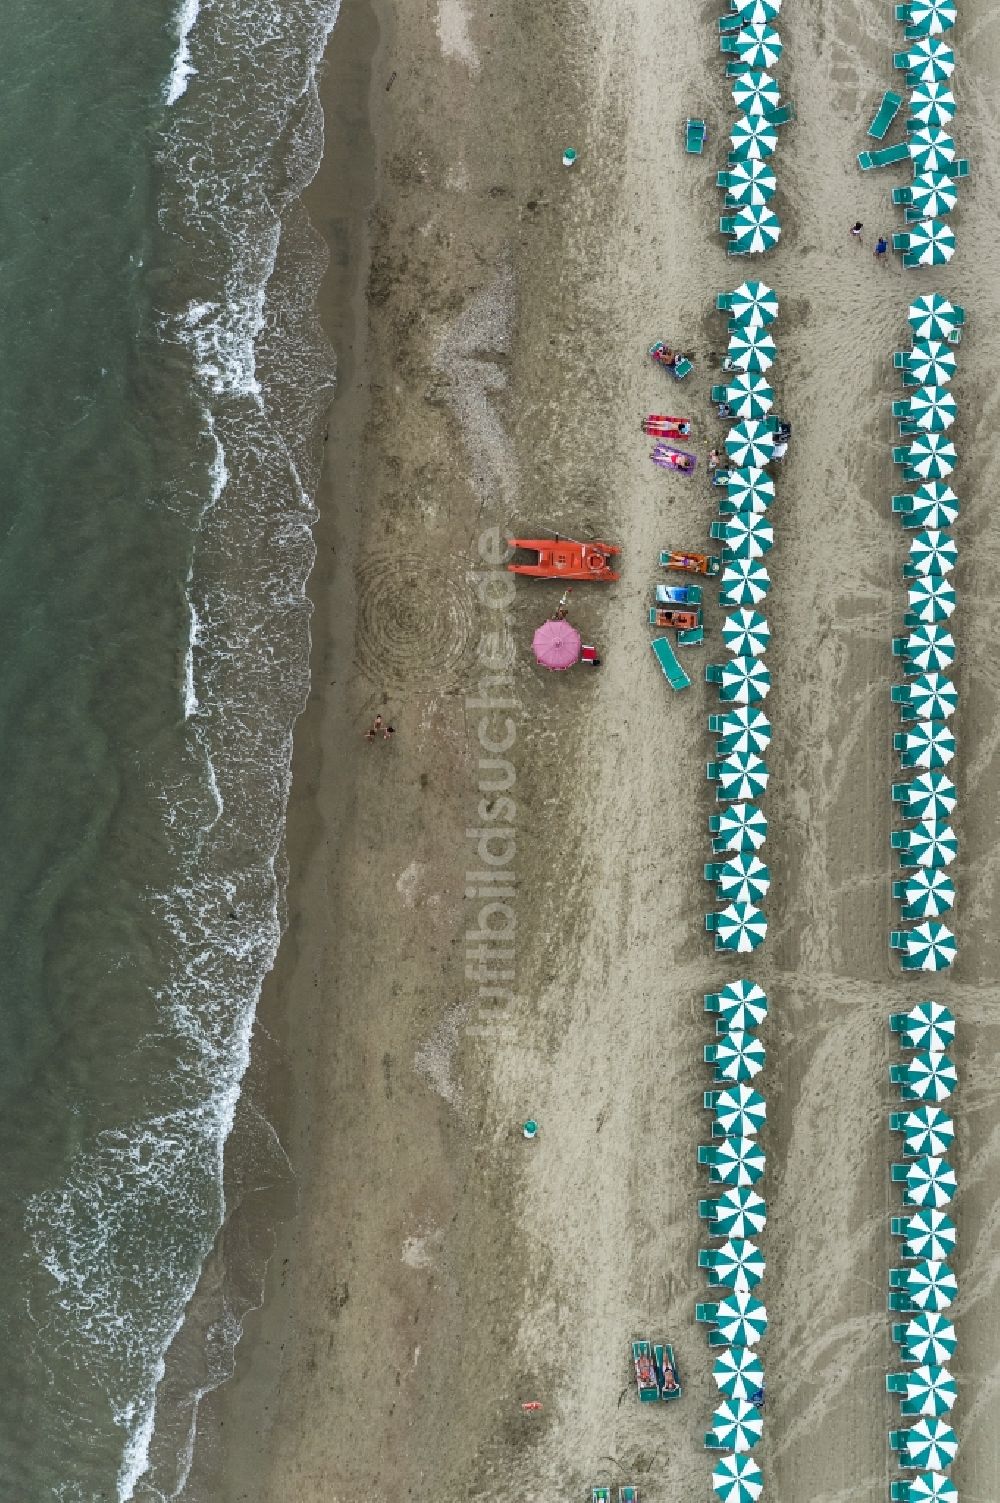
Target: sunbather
714 460
724 410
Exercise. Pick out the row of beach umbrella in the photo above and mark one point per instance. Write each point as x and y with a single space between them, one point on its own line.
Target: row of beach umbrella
923 1289
749 40
744 528
927 699
735 1217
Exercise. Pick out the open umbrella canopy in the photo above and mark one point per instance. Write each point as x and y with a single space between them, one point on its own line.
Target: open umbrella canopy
931 1487
750 182
752 349
933 552
929 1337
931 1286
745 581
740 927
743 775
750 443
930 1443
931 17
931 316
930 1182
759 45
927 893
931 104
745 680
756 12
931 149
929 1025
749 488
736 1426
740 827
932 696
738 1263
932 599
745 728
738 1479
931 843
741 1319
556 645
929 648
738 1372
738 1056
928 743
746 631
743 879
930 361
932 407
739 1110
755 93
933 504
930 795
927 1130
931 456
931 241
742 1005
753 137
747 395
930 1234
931 1075
931 946
756 228
753 303
740 1212
933 194
931 1389
738 1162
929 60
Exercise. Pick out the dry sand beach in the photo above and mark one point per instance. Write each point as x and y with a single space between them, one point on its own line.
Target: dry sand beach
491 314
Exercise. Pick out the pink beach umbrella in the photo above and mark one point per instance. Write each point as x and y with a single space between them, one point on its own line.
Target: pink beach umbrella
556 645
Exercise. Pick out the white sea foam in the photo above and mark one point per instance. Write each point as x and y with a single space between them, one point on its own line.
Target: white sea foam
182 69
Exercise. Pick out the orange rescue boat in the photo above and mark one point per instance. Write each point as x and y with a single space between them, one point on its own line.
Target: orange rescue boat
564 559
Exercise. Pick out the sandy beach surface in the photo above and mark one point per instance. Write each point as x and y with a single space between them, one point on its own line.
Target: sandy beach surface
491 314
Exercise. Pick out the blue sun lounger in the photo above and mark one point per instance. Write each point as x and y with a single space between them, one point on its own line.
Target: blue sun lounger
667 659
884 158
886 114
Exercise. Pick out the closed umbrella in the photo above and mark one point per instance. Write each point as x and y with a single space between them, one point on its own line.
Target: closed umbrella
749 488
743 878
756 228
752 349
745 581
931 1286
741 776
736 1426
745 728
753 137
926 893
933 552
930 1234
753 303
931 241
759 45
742 1004
929 1338
930 361
933 504
930 1443
746 631
931 456
928 649
927 1130
932 407
931 104
750 443
747 395
740 927
738 1479
738 1056
750 182
931 316
930 795
738 1162
739 1110
745 681
740 827
738 1263
931 946
755 93
932 696
931 599
929 1025
928 743
933 194
741 1319
931 17
738 1372
931 844
930 1182
740 1212
930 1076
929 60
930 1390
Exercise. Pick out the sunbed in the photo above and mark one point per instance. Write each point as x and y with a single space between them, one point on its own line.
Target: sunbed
887 112
672 670
695 133
884 158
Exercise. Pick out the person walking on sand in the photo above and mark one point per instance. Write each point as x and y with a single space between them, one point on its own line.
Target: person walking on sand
376 728
714 460
856 229
881 248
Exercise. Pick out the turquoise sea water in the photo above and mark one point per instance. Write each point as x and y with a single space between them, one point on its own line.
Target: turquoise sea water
162 390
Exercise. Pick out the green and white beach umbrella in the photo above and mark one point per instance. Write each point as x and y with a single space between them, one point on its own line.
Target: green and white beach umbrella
930 361
759 45
753 137
746 631
930 60
739 1162
927 1130
932 149
738 1371
741 1319
929 1337
756 12
752 349
932 843
739 1056
931 1487
929 1025
931 456
742 1004
932 16
738 1263
747 395
737 1426
931 1075
930 795
930 1182
749 488
930 1443
741 827
740 927
931 1286
740 1212
739 1110
930 1234
932 696
933 552
748 534
745 728
933 407
935 194
755 93
742 776
931 316
751 182
931 946
750 443
743 879
932 241
745 681
931 1389
928 744
934 505
928 648
756 228
753 303
932 599
738 1479
745 581
931 104
927 893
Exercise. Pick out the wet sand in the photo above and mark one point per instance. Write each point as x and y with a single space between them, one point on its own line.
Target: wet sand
491 312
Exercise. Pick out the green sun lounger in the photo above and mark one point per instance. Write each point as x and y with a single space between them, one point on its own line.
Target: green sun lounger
706 1315
884 158
901 240
666 1367
957 170
782 116
600 1495
727 226
694 636
724 301
733 22
628 1494
672 670
887 112
682 368
901 196
695 134
728 42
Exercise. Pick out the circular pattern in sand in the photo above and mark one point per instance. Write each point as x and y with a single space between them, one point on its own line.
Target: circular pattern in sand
417 621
